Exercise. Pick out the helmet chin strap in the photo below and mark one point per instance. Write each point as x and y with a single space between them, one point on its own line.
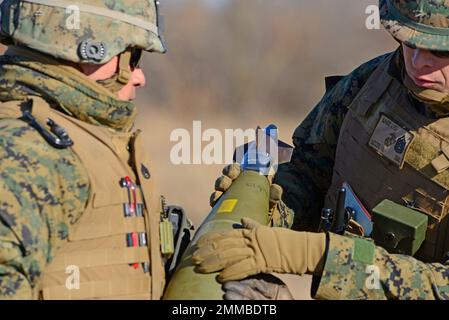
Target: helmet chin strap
122 76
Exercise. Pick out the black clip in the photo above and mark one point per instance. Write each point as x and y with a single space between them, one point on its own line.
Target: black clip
58 138
337 221
327 215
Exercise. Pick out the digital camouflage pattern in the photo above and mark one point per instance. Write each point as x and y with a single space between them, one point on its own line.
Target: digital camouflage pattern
349 273
306 180
423 23
24 72
108 27
315 142
281 215
43 190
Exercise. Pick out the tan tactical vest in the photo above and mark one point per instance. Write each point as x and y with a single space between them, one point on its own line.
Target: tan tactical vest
388 150
117 257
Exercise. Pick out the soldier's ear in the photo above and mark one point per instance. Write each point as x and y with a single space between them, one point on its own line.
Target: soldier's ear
98 72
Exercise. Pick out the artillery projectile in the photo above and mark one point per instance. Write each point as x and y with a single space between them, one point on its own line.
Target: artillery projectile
248 196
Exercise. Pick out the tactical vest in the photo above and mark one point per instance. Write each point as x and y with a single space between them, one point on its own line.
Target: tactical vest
388 150
114 248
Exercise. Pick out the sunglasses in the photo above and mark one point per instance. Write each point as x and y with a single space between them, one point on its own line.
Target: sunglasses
136 57
438 54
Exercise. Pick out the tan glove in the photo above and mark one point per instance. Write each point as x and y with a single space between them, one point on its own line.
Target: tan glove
245 252
281 215
260 287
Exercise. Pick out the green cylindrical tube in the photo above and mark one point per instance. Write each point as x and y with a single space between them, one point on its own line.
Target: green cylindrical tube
248 196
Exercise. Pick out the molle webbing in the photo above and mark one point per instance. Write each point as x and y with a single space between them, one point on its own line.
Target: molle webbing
108 267
416 181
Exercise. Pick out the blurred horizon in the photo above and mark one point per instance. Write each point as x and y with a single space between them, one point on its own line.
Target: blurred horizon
239 64
255 55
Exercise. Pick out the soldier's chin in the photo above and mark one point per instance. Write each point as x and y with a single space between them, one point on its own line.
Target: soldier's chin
128 96
426 84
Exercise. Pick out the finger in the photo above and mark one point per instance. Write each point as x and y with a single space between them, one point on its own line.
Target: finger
269 290
243 289
257 286
223 245
240 270
233 286
249 223
232 171
261 287
239 286
217 236
222 260
223 183
275 194
214 197
231 295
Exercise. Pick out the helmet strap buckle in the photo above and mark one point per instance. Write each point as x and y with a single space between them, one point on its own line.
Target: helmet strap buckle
124 73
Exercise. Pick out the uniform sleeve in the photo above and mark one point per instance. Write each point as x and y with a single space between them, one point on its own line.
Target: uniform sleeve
42 192
307 177
357 269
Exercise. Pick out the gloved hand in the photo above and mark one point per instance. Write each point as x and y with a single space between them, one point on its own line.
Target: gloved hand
261 287
244 252
281 215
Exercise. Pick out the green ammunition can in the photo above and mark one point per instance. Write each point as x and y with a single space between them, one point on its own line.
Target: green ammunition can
398 229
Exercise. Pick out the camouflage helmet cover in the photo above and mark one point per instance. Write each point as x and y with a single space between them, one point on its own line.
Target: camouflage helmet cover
91 31
420 23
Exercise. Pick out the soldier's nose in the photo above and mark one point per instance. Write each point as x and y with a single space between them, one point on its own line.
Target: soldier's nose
138 78
422 59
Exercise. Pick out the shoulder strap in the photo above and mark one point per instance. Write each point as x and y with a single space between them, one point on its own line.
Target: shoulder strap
374 88
36 111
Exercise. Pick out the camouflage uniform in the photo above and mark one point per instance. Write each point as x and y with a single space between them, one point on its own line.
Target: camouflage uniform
45 190
315 142
308 177
34 178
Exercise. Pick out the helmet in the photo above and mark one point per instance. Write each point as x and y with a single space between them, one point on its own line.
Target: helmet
82 31
422 24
